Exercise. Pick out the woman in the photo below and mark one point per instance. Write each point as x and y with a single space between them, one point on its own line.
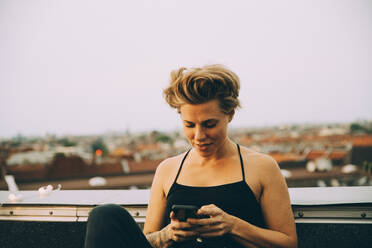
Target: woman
241 191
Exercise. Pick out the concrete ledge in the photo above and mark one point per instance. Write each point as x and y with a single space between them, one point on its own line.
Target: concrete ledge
318 205
325 217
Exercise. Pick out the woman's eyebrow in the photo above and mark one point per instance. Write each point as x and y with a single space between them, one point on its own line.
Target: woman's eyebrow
206 121
210 120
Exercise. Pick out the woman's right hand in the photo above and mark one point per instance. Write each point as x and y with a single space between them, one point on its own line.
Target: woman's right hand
180 231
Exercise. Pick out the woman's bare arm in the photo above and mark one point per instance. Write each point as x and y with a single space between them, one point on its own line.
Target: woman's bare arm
155 233
276 209
158 235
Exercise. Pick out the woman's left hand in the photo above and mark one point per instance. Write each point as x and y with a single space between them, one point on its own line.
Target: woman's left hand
218 223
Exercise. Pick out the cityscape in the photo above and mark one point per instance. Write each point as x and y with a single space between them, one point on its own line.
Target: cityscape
84 121
309 155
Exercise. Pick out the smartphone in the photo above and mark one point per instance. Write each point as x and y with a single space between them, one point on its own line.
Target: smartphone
182 212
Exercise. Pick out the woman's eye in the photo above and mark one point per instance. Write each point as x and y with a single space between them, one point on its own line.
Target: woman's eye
210 125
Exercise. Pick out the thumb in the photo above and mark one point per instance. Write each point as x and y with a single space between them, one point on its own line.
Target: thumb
171 215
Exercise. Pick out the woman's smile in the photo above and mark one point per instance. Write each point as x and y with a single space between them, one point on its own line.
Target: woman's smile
203 147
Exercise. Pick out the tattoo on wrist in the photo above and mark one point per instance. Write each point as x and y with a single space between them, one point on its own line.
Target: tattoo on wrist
159 239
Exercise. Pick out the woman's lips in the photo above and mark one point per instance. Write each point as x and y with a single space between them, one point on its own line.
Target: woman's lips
203 146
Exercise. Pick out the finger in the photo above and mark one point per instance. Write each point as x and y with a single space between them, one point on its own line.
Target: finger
176 225
171 215
212 231
184 235
208 206
179 238
204 221
208 229
211 210
211 234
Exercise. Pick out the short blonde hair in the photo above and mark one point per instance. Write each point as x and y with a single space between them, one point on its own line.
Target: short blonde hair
200 85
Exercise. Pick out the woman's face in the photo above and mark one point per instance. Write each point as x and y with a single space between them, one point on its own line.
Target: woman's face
205 126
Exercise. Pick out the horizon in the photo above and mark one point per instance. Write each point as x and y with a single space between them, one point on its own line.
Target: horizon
140 132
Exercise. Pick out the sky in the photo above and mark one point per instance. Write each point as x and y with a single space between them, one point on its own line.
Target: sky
79 67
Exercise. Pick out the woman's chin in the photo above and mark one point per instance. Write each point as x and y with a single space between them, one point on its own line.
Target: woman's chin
204 150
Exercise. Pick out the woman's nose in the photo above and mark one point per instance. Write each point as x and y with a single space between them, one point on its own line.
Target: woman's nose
199 133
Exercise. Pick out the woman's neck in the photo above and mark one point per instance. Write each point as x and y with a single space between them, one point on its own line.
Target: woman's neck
226 149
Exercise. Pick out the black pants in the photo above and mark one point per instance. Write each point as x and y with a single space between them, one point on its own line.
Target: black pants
112 226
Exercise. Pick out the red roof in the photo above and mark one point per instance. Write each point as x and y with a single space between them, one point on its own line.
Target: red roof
337 155
281 157
314 154
365 140
121 152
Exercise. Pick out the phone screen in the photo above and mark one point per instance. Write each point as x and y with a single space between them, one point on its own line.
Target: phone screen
182 212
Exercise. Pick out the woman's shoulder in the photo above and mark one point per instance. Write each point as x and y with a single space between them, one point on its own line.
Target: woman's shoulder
171 163
167 170
263 162
259 156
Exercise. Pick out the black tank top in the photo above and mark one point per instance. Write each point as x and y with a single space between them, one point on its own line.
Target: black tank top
236 199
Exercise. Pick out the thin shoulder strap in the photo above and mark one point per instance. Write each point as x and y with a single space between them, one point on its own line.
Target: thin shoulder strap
241 161
183 160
